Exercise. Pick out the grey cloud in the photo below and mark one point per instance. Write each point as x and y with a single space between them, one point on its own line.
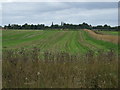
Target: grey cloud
71 12
95 5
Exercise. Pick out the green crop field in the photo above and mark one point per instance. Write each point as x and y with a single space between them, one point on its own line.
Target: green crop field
68 41
57 59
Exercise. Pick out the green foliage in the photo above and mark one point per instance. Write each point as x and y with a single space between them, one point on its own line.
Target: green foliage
62 26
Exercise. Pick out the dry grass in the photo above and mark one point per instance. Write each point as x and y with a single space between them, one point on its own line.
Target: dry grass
23 68
110 38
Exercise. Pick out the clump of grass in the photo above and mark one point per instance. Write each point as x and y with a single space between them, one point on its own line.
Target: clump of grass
25 68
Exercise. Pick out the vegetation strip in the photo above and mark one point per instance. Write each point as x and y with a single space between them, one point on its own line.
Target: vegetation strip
113 39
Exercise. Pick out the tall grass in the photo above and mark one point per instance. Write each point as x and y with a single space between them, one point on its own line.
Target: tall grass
25 68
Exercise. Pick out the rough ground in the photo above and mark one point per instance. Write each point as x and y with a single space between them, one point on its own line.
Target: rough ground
110 38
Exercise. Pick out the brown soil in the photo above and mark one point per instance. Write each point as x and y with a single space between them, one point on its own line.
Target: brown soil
109 38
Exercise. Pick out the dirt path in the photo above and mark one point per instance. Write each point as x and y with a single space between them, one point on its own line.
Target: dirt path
109 38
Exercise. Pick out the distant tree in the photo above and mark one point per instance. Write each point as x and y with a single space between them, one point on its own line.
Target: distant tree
42 26
15 26
31 26
25 26
99 27
62 26
107 27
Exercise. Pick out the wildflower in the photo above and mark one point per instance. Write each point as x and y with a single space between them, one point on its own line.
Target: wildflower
26 78
110 74
38 73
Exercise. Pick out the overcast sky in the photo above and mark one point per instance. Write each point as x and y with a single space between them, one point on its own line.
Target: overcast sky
98 13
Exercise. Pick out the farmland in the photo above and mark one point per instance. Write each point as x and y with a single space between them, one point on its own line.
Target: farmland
54 58
68 41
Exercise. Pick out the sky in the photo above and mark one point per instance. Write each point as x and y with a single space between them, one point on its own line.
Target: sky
59 0
94 13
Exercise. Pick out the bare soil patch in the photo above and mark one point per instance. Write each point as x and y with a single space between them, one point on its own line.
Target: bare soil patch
109 38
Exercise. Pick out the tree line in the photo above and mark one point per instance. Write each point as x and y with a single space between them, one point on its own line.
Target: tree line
62 26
